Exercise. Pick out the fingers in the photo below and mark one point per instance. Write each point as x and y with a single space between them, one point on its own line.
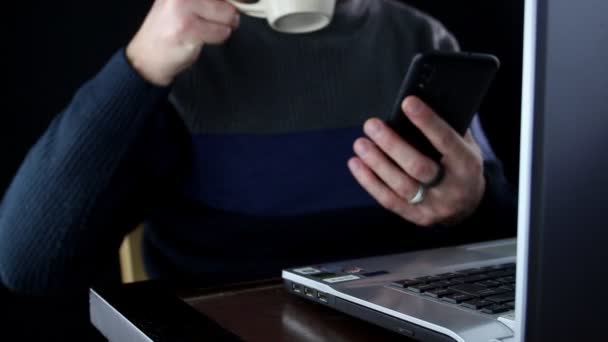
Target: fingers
211 33
215 11
381 192
390 169
175 32
403 185
440 134
414 163
213 20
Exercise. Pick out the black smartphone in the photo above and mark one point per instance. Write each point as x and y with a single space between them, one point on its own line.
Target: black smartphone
453 84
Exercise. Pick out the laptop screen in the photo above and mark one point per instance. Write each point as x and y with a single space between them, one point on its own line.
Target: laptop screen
563 184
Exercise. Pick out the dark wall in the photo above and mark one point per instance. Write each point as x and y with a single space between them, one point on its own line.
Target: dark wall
56 45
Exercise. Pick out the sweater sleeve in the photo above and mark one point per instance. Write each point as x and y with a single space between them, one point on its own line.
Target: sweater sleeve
90 179
496 216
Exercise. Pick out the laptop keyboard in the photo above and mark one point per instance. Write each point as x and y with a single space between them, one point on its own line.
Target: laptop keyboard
490 290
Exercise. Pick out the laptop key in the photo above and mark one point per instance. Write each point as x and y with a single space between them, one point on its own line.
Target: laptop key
446 276
471 289
433 279
406 283
510 266
500 274
443 277
477 304
489 283
503 273
506 280
494 309
491 292
439 293
510 305
455 281
502 298
457 298
508 287
476 278
423 279
423 287
442 283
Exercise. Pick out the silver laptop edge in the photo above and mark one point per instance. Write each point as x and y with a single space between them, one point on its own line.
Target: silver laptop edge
525 165
329 290
376 293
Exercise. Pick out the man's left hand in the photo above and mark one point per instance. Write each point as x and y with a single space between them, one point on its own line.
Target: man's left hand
391 170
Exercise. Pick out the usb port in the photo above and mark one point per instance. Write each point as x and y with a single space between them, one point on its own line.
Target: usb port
296 288
309 292
322 297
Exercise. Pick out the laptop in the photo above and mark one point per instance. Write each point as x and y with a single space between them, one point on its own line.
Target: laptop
463 293
475 292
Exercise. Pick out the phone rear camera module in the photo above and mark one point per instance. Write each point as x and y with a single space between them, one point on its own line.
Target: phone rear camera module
427 74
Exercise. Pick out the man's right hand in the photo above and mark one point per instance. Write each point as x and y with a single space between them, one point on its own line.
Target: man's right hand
173 34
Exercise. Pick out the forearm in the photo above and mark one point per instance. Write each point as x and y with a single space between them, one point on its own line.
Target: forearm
74 185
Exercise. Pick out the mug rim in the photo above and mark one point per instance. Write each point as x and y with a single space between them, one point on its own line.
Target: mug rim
322 21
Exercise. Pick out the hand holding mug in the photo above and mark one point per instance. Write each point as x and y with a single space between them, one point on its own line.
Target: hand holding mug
173 34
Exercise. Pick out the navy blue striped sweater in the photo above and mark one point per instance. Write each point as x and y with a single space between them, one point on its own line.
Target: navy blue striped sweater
238 169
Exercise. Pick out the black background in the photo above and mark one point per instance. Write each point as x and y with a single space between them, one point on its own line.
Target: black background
54 47
51 47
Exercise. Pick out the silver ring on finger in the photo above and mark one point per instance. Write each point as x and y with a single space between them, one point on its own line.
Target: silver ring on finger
419 196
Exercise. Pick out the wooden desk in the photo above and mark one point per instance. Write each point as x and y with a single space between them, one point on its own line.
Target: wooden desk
261 311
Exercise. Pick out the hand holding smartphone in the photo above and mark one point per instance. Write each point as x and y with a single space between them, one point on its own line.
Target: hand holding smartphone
453 84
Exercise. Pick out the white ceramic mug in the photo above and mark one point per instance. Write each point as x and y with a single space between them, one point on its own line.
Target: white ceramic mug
291 16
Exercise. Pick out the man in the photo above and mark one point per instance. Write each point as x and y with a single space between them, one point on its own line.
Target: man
234 143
